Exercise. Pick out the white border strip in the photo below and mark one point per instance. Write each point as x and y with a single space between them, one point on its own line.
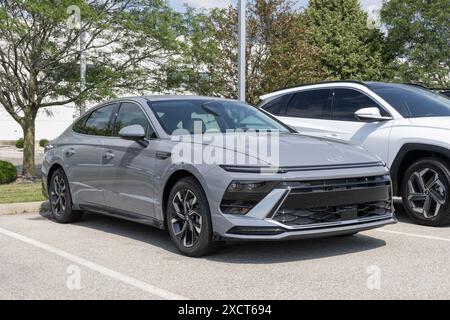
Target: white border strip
164 294
413 235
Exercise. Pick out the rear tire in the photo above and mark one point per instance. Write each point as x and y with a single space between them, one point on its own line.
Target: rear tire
61 200
189 219
425 192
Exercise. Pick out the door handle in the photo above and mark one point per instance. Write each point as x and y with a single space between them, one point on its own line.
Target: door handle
108 155
162 155
69 152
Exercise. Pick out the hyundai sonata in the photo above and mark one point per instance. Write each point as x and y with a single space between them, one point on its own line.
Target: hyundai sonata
211 170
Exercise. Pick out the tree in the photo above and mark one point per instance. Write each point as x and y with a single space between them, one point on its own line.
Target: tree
418 38
126 43
349 49
278 54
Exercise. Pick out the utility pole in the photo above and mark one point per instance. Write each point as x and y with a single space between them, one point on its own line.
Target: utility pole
241 51
82 66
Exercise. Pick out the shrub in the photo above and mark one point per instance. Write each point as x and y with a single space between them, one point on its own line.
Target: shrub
8 172
19 143
43 142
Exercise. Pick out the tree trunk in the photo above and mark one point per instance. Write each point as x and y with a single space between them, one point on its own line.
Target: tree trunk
28 126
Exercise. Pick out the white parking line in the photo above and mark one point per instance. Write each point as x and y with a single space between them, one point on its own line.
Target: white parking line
413 235
96 267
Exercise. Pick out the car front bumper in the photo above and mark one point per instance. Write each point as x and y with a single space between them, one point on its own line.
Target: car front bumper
317 231
312 209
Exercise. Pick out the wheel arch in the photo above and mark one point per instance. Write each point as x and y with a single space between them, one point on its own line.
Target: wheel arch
170 182
410 153
55 166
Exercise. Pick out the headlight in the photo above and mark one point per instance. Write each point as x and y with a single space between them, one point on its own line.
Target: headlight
241 196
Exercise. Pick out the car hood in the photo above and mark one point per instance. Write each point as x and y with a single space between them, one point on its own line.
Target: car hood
432 122
302 150
293 150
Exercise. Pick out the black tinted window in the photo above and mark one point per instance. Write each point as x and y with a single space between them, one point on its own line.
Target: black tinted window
413 102
277 106
347 101
131 114
310 104
98 123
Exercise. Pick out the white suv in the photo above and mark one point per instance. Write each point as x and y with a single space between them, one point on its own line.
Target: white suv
408 126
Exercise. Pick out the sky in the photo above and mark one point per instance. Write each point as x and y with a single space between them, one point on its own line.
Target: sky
178 4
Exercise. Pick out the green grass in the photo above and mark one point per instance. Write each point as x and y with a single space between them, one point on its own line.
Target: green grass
21 192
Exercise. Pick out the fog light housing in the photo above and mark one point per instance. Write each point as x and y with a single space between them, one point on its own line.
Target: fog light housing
241 196
256 231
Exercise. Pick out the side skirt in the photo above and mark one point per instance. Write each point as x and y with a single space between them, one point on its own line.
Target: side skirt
126 215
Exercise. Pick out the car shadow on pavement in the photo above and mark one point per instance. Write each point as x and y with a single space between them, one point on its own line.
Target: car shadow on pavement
236 252
295 250
123 228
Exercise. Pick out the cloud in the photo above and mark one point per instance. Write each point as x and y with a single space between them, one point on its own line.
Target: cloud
371 4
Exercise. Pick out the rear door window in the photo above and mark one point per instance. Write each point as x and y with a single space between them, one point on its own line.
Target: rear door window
314 104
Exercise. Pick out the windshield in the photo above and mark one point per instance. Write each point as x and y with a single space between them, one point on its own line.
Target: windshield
413 101
215 115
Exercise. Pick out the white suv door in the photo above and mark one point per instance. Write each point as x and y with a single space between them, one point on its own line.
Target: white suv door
307 111
373 135
330 112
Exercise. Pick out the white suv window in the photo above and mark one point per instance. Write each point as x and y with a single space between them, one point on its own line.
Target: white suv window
312 104
277 106
347 101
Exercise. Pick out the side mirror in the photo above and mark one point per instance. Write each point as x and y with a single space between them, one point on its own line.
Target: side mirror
370 115
134 132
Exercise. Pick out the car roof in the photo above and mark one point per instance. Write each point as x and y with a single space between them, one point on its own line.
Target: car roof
183 97
303 86
168 98
326 84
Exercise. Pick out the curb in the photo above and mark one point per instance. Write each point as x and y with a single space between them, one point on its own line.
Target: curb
23 207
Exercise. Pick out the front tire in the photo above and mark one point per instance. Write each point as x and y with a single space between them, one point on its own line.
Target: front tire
425 192
189 219
61 200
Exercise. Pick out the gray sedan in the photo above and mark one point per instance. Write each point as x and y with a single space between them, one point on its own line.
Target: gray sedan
211 170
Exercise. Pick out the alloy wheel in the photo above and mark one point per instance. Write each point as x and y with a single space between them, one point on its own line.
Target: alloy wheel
187 221
426 193
58 195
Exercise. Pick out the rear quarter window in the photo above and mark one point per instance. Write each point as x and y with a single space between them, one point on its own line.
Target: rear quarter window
277 106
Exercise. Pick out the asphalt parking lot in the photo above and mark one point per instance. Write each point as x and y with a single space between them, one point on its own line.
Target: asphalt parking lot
106 258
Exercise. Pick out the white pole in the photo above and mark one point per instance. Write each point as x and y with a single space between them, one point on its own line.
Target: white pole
241 53
82 67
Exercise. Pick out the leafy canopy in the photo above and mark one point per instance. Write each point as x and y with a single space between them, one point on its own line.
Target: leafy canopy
349 49
277 53
418 38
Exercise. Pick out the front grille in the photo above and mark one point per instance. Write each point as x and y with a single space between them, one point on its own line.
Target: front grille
334 201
